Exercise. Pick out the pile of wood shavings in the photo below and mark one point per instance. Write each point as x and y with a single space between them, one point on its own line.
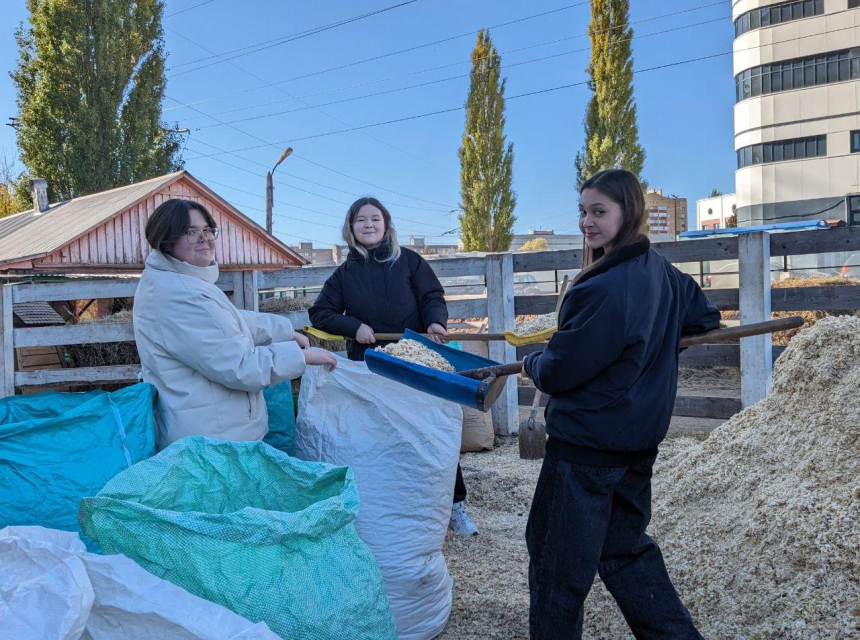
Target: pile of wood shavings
537 324
759 523
416 353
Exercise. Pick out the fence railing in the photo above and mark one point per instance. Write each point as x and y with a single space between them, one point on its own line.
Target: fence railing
754 299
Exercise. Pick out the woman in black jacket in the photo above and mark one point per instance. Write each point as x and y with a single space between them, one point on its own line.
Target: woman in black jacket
611 372
383 288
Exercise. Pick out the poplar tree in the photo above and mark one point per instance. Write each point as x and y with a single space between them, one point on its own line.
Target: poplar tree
611 132
486 160
90 81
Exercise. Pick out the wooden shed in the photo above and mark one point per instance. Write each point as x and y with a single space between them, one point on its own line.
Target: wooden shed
104 232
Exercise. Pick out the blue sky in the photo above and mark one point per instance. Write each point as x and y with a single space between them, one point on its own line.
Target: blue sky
685 111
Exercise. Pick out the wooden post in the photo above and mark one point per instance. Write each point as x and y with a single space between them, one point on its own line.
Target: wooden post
501 317
238 289
754 297
251 292
7 347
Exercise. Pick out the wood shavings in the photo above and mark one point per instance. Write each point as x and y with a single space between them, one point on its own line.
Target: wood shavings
759 523
416 353
536 324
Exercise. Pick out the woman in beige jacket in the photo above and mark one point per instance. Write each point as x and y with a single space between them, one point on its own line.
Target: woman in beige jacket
209 360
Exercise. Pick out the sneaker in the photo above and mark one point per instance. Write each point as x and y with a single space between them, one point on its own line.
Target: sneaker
461 523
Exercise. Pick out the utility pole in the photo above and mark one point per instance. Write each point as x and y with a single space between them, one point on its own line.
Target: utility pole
270 189
675 215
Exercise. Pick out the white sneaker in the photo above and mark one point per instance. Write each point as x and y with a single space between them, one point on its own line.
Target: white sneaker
461 523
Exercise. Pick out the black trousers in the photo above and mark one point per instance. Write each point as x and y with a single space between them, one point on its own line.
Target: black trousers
459 486
586 520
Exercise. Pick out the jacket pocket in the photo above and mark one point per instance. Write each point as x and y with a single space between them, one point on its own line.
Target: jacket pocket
253 405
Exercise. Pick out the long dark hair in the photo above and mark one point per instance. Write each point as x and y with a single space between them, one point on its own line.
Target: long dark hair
623 188
169 222
390 233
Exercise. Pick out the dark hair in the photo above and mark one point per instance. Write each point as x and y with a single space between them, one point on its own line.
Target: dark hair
169 222
390 232
623 188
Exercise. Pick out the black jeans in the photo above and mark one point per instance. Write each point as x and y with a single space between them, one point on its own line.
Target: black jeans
586 520
459 486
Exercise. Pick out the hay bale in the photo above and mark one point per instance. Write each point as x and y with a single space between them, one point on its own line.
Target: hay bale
104 354
282 305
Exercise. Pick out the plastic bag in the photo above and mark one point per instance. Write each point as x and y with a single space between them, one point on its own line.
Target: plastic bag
246 526
282 417
56 448
52 589
403 446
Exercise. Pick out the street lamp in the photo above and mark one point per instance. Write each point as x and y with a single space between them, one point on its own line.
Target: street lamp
270 189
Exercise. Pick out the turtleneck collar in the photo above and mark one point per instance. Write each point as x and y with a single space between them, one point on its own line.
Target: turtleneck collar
380 253
163 262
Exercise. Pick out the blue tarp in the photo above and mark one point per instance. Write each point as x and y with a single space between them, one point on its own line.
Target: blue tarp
56 448
781 226
448 386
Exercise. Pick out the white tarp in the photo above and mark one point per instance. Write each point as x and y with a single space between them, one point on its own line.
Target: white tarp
52 589
403 446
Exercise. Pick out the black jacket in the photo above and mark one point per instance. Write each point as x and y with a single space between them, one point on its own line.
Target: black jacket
612 368
386 296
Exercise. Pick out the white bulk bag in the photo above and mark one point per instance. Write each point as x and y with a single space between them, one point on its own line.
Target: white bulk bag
403 447
52 589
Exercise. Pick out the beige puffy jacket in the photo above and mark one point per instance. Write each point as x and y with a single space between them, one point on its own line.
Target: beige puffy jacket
208 360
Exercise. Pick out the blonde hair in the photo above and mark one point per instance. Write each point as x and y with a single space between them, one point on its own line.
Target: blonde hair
390 232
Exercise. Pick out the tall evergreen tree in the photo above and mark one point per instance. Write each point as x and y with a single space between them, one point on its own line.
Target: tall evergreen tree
611 132
486 163
90 82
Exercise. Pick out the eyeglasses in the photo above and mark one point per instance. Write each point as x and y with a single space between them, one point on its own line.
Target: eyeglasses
199 235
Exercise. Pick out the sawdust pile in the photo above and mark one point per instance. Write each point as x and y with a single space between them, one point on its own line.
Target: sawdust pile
415 352
536 324
759 523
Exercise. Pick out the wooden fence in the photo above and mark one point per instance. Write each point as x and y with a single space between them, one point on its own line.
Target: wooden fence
754 299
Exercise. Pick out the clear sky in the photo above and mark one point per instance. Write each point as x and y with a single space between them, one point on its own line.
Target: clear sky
685 111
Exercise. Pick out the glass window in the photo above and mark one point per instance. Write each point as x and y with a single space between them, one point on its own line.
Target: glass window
775 15
819 7
755 20
822 145
777 151
844 67
798 73
747 156
786 13
820 70
765 83
852 4
797 11
799 149
768 153
809 72
740 154
765 17
757 155
786 77
855 67
746 21
776 79
788 150
808 8
855 142
832 68
747 84
755 86
810 148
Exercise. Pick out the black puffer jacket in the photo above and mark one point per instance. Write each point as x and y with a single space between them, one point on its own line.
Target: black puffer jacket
389 297
612 368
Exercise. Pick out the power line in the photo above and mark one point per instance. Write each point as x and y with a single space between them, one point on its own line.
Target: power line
176 13
547 90
441 80
286 39
438 68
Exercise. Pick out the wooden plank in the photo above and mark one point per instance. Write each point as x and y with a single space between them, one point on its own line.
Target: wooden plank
535 305
755 306
87 333
34 361
127 242
837 298
686 406
723 299
718 248
75 290
455 267
548 260
501 317
290 278
705 355
111 241
252 292
143 217
815 241
84 244
83 375
7 350
101 246
134 230
467 308
75 252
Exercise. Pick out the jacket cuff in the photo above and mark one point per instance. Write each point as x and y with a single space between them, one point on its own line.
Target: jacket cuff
288 360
